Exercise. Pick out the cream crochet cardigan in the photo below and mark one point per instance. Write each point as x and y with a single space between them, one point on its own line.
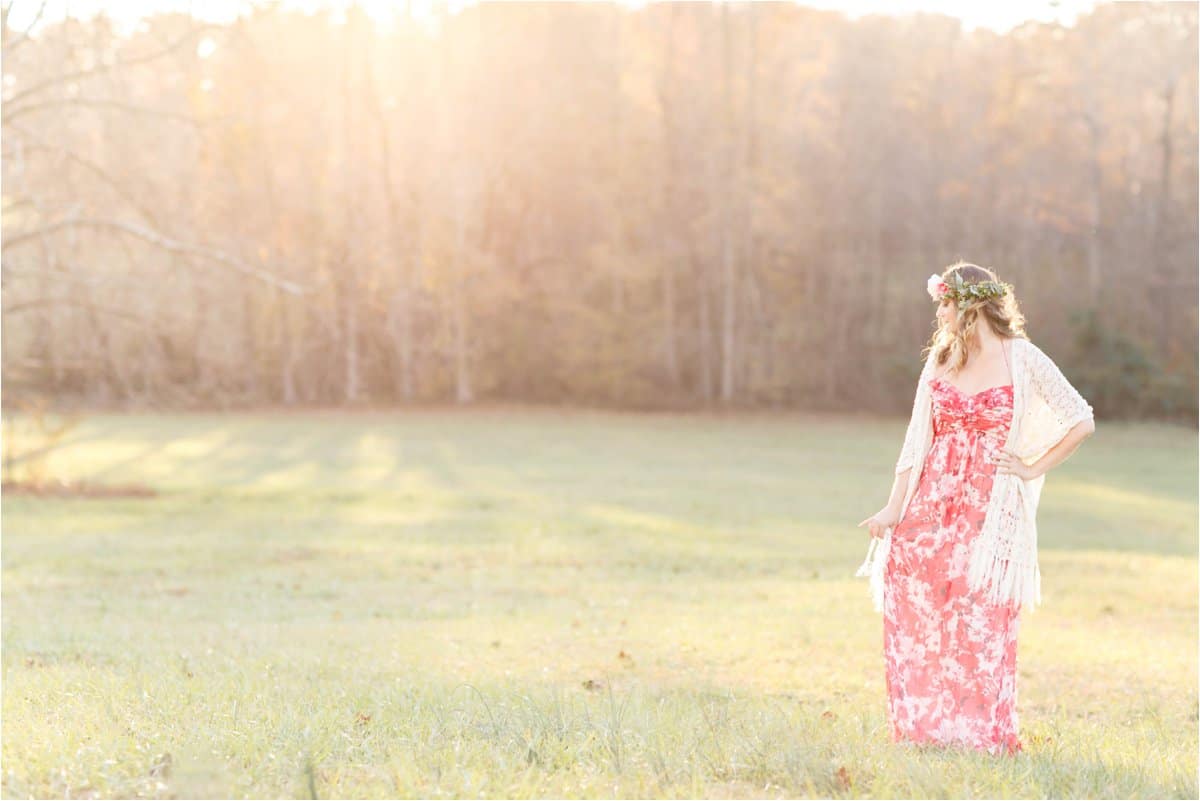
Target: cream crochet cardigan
1004 555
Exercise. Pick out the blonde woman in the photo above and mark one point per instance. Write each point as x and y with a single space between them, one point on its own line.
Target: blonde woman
953 554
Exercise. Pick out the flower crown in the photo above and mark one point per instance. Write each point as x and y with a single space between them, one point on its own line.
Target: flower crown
963 292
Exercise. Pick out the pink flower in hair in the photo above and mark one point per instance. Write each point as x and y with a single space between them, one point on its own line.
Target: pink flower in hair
936 286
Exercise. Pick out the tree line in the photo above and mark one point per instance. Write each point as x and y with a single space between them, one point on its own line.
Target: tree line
672 206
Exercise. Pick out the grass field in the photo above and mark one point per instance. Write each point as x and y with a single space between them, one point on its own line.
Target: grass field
524 603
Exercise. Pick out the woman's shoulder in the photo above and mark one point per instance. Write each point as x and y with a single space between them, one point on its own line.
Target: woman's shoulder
1030 349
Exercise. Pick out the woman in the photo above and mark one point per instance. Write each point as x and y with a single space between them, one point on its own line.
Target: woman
957 555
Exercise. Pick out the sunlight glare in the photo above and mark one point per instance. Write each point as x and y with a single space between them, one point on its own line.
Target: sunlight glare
1000 17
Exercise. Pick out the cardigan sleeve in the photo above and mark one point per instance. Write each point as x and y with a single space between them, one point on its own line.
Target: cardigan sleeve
1063 400
916 421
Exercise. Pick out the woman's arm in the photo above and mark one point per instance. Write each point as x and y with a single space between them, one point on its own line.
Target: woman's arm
898 488
1065 447
1071 414
889 515
919 416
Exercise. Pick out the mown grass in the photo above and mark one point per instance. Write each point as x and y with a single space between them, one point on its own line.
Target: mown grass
519 603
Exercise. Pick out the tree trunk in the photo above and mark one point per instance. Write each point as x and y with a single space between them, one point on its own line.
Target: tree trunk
726 189
1162 220
462 340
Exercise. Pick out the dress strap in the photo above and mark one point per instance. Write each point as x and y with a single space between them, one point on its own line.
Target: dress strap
1004 351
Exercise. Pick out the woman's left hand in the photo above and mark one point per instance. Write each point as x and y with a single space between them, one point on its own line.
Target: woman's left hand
1008 462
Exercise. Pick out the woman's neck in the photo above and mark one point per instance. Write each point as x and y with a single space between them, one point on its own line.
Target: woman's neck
984 342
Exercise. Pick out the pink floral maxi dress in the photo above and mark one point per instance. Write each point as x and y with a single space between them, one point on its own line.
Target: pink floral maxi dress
950 654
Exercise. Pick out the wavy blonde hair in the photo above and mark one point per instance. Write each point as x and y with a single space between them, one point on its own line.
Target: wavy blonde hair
1002 314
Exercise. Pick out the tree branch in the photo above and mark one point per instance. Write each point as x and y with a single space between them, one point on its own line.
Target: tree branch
88 164
10 115
165 243
10 46
103 68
